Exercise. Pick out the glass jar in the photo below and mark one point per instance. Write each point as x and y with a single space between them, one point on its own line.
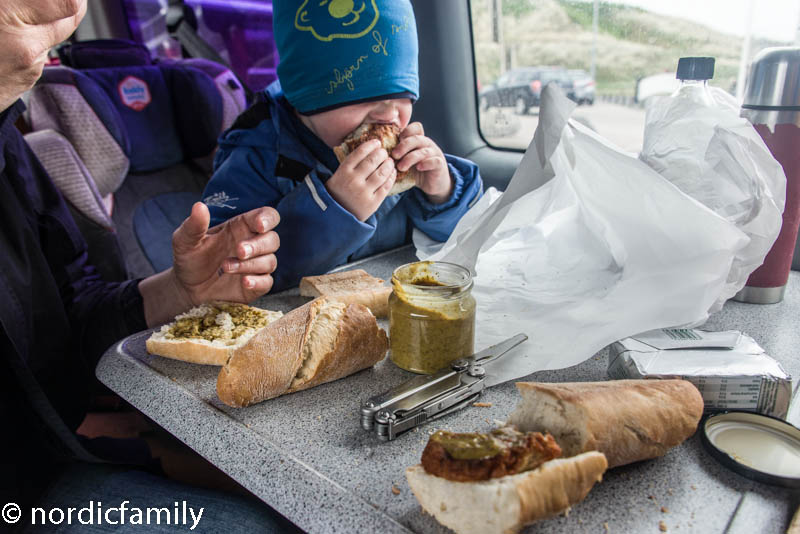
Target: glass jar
431 315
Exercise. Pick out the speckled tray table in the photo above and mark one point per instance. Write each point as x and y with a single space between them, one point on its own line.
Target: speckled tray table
307 456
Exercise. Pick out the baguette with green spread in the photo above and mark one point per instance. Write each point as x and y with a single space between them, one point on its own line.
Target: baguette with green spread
209 333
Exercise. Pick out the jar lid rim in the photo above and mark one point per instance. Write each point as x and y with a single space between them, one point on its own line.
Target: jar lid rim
465 284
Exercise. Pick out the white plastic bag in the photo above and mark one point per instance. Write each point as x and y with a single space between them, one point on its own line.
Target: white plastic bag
718 158
605 249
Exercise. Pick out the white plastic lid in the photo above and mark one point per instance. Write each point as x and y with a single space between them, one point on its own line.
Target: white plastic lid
760 447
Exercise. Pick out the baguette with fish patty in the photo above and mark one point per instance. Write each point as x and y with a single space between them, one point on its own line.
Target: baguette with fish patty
498 482
627 420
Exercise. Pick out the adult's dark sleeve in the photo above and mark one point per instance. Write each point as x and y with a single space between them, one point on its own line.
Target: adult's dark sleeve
99 313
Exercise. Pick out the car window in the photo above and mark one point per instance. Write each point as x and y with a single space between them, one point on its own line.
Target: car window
628 60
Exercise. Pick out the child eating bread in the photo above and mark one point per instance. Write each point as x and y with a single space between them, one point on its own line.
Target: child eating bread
342 65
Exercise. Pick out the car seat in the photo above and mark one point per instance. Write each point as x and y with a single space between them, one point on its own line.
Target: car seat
129 143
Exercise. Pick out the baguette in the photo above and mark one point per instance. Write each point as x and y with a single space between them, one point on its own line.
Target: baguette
318 342
627 420
207 334
350 287
506 504
387 134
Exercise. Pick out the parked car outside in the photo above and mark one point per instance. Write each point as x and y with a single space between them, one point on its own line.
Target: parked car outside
522 88
583 86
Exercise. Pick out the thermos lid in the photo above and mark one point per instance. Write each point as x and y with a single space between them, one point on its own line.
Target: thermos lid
695 68
774 80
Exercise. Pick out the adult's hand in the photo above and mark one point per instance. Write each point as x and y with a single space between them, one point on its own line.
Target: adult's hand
232 261
28 30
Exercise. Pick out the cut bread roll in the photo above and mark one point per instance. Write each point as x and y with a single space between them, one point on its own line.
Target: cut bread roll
321 341
627 420
350 287
207 334
388 135
506 504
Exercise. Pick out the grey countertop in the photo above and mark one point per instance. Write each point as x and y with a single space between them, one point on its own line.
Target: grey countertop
306 455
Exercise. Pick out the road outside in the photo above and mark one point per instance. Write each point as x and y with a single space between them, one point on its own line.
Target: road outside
622 125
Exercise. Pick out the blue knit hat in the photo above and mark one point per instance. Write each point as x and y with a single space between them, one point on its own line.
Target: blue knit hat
338 52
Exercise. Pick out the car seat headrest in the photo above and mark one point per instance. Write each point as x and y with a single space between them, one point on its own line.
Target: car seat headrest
158 114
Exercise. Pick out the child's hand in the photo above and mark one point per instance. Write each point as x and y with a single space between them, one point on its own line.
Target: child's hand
416 149
363 179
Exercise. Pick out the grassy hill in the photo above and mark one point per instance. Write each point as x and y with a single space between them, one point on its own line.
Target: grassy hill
631 43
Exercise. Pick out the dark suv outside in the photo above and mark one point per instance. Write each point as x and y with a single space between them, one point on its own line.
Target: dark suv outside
522 88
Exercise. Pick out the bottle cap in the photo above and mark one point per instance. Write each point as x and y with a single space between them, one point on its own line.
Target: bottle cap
695 68
759 447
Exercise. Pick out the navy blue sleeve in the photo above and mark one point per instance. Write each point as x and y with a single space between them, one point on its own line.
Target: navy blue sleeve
100 313
240 184
439 220
316 233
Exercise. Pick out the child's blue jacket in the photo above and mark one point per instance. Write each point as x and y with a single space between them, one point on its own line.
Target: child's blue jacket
269 158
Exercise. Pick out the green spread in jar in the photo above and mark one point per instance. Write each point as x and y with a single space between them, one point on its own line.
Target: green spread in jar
431 316
220 321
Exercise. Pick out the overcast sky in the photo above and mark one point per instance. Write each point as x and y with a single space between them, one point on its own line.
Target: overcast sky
774 19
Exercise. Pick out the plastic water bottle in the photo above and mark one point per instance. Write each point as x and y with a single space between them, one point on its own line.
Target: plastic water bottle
694 73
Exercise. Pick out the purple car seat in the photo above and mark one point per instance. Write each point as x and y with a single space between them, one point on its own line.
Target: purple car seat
129 143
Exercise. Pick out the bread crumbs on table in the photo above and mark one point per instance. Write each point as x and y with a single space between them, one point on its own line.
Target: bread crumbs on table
482 404
395 490
605 526
664 510
651 497
669 490
662 526
694 487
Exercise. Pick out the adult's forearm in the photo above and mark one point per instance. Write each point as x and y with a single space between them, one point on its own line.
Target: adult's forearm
163 298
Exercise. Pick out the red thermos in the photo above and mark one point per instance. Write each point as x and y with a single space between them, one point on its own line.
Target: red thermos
772 105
